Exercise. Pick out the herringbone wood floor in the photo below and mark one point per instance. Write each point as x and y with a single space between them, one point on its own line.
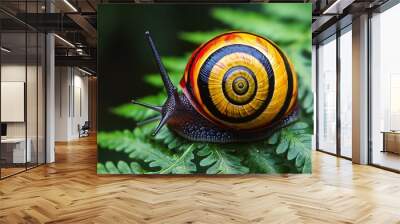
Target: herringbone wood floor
69 191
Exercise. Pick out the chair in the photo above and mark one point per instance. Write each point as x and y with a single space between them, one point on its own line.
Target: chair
84 130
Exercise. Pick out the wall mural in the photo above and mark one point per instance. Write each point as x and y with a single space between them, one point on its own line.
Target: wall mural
204 89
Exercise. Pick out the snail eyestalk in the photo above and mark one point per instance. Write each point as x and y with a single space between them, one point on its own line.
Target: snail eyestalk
155 108
164 74
165 114
149 120
167 110
163 121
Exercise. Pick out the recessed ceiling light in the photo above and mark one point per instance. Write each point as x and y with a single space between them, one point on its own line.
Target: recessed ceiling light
64 40
84 71
5 50
337 7
70 5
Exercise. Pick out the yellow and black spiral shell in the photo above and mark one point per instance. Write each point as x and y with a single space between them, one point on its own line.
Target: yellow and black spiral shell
241 81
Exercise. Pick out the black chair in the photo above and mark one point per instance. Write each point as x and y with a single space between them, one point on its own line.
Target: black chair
84 130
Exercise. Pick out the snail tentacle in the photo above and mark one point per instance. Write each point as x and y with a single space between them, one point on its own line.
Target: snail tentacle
163 121
155 108
149 120
172 103
164 74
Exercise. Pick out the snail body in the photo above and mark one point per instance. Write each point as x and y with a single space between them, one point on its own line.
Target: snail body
237 87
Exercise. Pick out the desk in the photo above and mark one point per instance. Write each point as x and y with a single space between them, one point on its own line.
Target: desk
18 151
391 141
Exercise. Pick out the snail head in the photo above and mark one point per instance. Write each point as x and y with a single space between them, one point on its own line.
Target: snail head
170 105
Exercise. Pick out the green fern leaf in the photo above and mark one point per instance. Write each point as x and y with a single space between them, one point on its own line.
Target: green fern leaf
175 142
138 146
116 141
307 102
219 161
283 146
260 161
289 11
296 143
121 168
156 156
183 163
303 67
101 169
307 168
273 139
275 30
111 168
136 168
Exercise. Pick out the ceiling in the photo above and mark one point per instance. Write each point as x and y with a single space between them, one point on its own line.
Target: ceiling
330 15
75 21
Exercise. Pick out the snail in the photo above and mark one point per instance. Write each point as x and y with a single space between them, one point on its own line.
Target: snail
237 87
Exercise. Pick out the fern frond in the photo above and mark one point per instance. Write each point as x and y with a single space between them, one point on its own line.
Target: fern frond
121 168
183 163
261 161
175 142
138 146
296 12
275 30
219 161
296 143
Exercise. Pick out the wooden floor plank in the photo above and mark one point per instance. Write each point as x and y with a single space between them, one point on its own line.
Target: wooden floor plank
69 191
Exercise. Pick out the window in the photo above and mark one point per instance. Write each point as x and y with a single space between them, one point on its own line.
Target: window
327 95
385 89
22 77
346 92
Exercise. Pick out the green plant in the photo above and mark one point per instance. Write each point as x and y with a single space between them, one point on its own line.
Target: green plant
286 151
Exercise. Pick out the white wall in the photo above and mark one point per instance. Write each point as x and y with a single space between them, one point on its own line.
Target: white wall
12 73
62 81
80 110
71 102
16 73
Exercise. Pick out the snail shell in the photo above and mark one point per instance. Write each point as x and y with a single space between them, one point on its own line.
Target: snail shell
240 81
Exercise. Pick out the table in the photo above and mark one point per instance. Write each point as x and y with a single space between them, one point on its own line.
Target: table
391 141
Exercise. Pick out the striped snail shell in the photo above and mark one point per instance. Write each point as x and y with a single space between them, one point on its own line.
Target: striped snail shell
237 87
241 80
